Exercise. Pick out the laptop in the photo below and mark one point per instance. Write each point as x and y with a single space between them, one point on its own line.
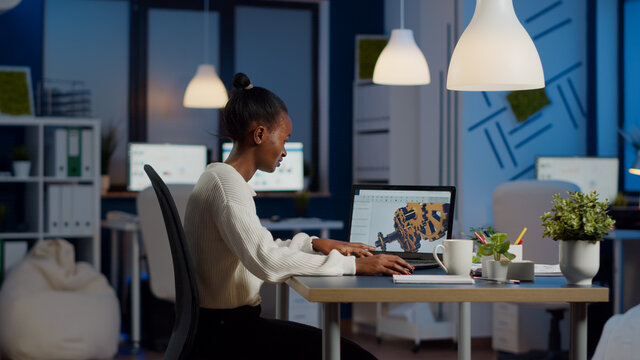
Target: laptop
407 221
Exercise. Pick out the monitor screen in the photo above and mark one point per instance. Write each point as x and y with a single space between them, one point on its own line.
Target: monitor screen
589 173
288 176
176 164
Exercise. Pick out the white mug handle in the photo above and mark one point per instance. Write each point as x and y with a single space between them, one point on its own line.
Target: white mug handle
435 255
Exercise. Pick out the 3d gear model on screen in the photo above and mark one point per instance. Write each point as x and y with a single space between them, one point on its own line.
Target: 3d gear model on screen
415 222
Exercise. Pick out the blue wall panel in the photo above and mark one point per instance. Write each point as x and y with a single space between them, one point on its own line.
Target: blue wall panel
631 87
498 148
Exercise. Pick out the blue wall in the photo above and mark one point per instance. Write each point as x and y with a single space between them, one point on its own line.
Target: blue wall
21 37
631 87
497 148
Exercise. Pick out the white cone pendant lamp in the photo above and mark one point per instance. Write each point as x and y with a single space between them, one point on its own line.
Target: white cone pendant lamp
401 62
205 90
495 53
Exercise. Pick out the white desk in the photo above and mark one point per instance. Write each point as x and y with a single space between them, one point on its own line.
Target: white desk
296 225
129 227
617 236
331 291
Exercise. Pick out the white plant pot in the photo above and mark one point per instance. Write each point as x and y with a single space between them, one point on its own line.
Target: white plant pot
21 169
579 261
484 261
105 182
497 270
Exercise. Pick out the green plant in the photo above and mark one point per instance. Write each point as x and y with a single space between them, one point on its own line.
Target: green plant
108 144
578 217
496 246
20 153
488 231
301 201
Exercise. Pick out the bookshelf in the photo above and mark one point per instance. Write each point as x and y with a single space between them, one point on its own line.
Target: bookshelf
27 200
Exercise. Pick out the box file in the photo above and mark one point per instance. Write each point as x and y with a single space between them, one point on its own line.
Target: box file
82 209
54 199
66 209
73 152
86 155
60 153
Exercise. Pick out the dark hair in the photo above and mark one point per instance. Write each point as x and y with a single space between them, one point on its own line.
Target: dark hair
248 104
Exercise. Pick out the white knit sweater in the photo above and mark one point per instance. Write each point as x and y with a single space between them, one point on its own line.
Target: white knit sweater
233 253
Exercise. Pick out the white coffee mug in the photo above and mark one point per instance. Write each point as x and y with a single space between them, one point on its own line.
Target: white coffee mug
457 255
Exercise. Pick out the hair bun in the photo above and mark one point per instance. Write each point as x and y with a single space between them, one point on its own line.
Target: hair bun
241 81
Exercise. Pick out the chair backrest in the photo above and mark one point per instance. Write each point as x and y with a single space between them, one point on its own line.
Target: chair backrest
187 303
518 204
155 240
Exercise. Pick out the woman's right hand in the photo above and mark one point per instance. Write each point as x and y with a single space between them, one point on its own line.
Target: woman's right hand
382 264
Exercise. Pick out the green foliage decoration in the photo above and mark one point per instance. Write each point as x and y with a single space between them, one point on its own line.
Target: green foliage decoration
108 145
579 217
497 246
525 103
20 153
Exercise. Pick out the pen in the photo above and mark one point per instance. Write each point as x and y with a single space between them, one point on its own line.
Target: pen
487 233
519 239
479 237
508 281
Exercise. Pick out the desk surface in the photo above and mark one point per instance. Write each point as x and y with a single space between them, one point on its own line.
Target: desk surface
382 289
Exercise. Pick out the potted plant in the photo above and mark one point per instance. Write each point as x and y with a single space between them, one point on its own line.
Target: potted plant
579 222
496 247
21 163
108 145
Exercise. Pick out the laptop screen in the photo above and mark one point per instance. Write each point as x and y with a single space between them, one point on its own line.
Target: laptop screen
402 220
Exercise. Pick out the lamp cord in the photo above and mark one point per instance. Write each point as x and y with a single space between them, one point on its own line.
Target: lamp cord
206 31
401 14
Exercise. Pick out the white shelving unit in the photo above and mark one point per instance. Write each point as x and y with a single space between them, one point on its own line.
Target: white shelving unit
31 191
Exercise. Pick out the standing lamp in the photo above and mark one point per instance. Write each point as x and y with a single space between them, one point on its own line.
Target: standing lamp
495 53
205 90
401 62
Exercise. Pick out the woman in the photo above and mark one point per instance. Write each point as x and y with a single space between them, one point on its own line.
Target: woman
233 254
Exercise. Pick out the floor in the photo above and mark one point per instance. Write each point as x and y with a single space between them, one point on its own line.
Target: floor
389 348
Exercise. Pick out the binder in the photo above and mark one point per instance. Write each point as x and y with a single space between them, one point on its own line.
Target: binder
66 209
73 152
86 155
60 153
82 209
54 198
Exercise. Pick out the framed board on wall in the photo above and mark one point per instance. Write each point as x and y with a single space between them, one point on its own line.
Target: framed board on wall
368 48
16 93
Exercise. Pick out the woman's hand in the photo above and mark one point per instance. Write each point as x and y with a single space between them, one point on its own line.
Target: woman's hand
382 264
345 248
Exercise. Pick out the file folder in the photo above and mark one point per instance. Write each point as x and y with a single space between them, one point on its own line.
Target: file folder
73 152
86 155
66 209
54 198
60 153
82 209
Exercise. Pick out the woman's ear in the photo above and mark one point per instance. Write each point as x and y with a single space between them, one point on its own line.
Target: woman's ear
259 133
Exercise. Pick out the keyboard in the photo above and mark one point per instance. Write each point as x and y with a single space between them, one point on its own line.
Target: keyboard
423 264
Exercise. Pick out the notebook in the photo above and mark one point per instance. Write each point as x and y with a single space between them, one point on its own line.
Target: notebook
407 221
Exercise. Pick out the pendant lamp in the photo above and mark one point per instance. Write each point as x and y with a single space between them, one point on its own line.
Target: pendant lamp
495 53
635 169
401 62
205 90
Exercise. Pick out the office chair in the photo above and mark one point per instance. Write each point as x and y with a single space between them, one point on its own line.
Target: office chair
187 303
518 204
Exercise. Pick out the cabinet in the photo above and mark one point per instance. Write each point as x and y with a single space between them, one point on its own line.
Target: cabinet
27 200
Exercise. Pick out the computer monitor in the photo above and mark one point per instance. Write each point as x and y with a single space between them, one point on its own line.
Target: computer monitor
288 176
589 173
176 164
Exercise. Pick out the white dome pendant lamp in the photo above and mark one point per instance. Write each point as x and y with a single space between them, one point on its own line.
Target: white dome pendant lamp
205 90
495 53
401 62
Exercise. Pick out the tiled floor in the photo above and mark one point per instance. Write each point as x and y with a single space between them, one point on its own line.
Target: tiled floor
389 349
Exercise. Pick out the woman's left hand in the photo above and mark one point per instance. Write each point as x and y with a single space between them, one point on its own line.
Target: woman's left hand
345 248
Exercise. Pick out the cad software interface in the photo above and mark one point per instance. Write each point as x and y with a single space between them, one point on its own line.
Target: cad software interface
400 220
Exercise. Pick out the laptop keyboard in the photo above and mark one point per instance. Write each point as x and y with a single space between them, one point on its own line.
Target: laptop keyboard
423 264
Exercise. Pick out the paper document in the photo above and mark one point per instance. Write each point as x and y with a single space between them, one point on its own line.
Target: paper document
432 279
547 270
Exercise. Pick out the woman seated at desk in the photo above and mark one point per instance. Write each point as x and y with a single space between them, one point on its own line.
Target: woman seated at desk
234 254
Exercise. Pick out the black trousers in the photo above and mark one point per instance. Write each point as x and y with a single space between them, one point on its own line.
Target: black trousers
241 333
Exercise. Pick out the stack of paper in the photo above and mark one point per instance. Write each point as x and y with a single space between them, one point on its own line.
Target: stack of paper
547 270
432 279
